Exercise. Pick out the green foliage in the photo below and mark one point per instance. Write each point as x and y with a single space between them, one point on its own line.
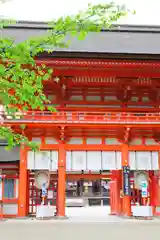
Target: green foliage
21 80
15 139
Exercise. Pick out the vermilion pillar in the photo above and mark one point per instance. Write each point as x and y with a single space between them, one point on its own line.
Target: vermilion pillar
22 199
61 181
126 199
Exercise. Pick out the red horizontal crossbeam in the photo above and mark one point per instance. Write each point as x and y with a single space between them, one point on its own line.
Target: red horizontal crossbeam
90 118
99 63
91 176
107 72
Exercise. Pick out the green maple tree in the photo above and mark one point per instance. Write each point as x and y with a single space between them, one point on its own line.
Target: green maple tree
21 80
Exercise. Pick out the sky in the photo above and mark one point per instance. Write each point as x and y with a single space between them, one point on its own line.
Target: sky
147 12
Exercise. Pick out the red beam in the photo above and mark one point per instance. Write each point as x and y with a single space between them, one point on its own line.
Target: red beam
105 103
102 109
87 176
65 62
91 147
130 73
118 125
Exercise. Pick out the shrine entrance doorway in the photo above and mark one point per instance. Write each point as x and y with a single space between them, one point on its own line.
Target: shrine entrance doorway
91 195
87 190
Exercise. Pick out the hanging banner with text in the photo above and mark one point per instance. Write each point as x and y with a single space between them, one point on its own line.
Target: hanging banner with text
126 181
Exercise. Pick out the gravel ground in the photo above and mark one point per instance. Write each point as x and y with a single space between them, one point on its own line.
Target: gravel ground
49 229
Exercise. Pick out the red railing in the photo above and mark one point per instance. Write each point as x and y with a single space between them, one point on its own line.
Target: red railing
81 117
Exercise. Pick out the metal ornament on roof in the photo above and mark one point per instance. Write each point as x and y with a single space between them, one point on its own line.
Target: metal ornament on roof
139 178
41 178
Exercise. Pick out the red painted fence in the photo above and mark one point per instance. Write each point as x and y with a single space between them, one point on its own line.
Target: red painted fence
81 117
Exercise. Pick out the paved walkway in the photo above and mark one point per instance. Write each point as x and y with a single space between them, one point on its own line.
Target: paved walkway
91 223
91 214
94 214
47 230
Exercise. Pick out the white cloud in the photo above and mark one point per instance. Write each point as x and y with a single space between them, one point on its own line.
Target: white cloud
147 12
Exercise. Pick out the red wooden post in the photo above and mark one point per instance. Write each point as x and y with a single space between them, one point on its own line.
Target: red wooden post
22 199
2 198
61 193
126 199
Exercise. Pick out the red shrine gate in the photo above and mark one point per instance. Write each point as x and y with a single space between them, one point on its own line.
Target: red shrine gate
107 119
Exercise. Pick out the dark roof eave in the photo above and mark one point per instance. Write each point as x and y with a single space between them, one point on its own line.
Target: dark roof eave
95 55
122 39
